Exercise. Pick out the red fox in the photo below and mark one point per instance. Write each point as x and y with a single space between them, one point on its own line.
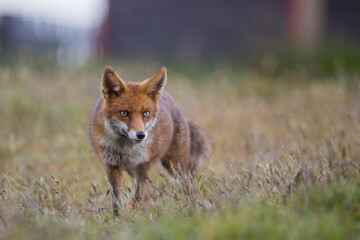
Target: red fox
134 125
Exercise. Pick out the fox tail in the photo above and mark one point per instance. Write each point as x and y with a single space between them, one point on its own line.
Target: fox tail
200 149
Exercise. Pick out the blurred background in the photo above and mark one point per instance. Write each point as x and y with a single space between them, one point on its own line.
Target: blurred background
262 33
274 83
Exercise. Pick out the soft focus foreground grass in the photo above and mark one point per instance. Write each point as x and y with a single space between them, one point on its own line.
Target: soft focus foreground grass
285 162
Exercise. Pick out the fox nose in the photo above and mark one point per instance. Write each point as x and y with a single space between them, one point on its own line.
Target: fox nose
140 135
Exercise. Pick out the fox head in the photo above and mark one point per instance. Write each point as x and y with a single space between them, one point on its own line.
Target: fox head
131 109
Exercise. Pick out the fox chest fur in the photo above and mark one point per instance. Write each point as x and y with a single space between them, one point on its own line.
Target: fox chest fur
124 153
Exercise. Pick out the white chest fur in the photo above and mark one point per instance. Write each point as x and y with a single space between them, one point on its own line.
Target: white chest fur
124 153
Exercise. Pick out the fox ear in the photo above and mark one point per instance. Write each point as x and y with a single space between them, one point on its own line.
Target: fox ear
154 86
111 84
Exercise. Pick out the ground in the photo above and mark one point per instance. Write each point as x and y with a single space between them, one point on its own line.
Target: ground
285 162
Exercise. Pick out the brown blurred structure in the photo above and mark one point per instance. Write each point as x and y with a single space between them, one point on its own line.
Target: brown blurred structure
188 29
306 23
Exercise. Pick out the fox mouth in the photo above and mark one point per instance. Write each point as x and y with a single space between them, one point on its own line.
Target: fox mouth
125 133
134 140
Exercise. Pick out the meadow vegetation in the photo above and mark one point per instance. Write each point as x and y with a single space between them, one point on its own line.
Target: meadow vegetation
285 162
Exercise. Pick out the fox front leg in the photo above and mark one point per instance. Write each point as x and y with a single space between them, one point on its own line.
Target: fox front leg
114 176
142 193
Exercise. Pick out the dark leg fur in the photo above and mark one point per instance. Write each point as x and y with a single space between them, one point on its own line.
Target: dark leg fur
114 176
142 193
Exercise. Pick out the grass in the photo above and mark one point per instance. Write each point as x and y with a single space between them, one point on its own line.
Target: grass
285 162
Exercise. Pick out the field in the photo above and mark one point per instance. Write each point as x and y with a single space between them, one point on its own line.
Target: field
285 162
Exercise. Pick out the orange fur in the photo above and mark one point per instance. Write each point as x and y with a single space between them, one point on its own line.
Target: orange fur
135 125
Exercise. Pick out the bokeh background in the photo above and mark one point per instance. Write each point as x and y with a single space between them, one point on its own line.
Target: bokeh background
75 32
274 83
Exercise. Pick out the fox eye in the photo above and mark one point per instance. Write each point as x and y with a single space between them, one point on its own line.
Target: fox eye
146 114
124 113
